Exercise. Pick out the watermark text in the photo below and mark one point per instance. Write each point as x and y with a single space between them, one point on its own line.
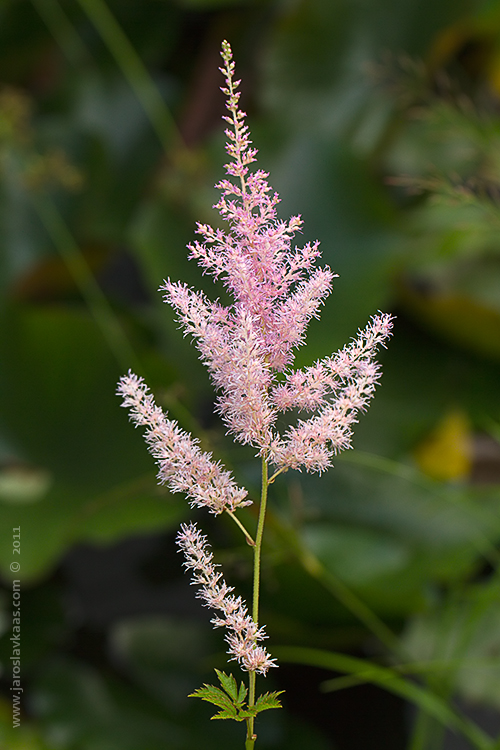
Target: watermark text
16 688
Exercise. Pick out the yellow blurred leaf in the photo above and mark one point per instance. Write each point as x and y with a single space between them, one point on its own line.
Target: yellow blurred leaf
446 454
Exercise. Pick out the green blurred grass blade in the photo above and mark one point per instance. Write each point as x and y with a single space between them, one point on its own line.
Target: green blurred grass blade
135 72
62 30
337 588
93 295
388 680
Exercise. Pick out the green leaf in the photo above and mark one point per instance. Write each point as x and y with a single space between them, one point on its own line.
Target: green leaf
232 703
268 700
229 684
214 695
229 713
242 694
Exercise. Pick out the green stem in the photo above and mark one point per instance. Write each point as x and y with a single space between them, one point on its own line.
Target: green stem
258 542
251 736
238 523
250 742
277 473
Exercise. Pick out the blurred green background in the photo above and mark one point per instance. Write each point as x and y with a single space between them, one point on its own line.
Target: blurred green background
379 122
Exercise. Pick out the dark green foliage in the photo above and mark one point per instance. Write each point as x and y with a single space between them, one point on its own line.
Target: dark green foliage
232 699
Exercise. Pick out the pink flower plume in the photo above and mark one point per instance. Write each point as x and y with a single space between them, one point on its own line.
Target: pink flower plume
182 465
243 633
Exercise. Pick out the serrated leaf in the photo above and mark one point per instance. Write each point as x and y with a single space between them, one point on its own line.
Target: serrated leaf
214 695
268 700
230 709
230 713
229 684
242 694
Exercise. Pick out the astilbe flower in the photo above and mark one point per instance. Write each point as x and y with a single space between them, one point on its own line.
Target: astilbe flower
248 348
244 634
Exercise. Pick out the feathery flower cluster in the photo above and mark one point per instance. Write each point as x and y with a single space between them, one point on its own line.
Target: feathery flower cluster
248 349
248 346
183 466
244 634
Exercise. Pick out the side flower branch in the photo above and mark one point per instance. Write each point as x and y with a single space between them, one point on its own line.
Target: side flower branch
183 467
243 633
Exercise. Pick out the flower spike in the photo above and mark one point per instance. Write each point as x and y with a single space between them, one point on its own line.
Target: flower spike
183 466
243 633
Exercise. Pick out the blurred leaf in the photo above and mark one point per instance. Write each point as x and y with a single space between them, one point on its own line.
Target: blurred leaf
356 555
388 532
163 655
128 509
408 506
210 4
389 680
462 640
457 315
69 426
23 737
57 397
156 644
44 629
446 454
133 69
21 233
21 484
78 708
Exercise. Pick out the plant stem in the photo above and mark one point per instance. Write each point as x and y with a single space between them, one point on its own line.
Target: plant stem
237 521
251 737
258 542
277 473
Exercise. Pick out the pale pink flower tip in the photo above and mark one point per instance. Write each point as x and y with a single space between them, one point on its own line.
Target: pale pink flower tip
243 633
